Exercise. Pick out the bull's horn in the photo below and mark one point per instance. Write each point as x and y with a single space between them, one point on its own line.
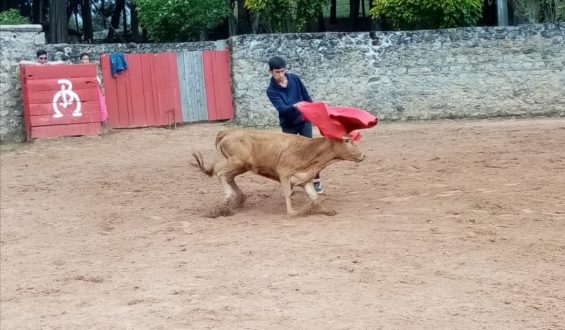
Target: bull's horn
346 138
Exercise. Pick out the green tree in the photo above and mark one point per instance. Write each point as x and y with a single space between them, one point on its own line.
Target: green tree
12 17
180 20
285 15
428 14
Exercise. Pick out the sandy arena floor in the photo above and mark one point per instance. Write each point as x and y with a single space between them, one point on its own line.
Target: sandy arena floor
446 225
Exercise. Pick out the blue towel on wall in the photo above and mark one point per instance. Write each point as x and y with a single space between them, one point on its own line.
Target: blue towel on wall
117 63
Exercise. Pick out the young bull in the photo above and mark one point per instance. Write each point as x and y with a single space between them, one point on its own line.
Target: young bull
290 159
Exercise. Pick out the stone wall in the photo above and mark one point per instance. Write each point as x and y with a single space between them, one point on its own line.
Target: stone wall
71 52
17 42
453 73
20 42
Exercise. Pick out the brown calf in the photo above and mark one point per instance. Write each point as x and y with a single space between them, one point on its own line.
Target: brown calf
290 159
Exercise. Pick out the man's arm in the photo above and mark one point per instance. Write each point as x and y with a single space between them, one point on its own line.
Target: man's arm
36 63
278 102
304 91
28 62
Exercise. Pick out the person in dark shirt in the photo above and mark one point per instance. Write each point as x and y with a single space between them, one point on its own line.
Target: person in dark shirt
285 91
41 59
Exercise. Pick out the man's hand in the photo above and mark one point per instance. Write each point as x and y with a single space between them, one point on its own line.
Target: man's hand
297 104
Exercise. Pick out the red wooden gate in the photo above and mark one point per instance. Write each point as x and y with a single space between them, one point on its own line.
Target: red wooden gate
145 94
148 92
60 100
218 86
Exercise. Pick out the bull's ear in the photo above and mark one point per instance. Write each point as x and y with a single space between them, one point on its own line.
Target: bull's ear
346 138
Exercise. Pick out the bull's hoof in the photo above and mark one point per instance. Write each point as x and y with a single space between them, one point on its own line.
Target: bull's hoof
223 210
315 208
237 202
328 212
292 214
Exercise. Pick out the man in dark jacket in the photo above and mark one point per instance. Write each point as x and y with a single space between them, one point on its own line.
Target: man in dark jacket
285 91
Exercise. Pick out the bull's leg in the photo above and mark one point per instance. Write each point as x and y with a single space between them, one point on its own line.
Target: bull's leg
238 198
311 191
287 190
234 196
221 171
314 207
228 190
224 208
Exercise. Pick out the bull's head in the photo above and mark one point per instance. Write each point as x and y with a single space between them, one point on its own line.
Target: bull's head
347 150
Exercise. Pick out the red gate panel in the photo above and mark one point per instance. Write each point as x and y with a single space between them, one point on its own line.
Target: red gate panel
60 100
218 87
145 94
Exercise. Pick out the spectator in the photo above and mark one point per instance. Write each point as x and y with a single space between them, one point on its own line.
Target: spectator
85 59
41 59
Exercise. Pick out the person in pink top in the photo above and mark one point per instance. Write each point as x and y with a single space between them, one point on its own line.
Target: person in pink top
85 59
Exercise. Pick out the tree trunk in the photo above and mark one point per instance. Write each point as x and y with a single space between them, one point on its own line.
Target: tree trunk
115 21
45 11
87 31
354 14
321 25
232 22
243 18
103 10
58 22
71 8
254 23
10 4
36 11
134 24
333 12
502 11
144 34
25 9
125 19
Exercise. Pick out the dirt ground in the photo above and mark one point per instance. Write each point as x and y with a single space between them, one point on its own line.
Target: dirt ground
450 224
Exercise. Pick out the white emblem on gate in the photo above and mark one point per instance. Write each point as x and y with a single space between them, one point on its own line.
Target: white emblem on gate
65 97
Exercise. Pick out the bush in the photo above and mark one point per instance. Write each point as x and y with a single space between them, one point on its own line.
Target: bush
286 15
180 20
12 17
428 14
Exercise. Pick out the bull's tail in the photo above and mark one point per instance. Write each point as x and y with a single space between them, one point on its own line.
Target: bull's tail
208 170
220 136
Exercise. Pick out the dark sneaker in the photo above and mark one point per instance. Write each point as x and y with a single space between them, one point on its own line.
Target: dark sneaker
318 186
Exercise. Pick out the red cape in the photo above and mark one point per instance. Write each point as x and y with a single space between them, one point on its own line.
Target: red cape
337 122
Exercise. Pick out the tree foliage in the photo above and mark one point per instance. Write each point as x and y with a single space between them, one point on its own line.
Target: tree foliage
540 11
180 20
285 15
428 14
12 17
